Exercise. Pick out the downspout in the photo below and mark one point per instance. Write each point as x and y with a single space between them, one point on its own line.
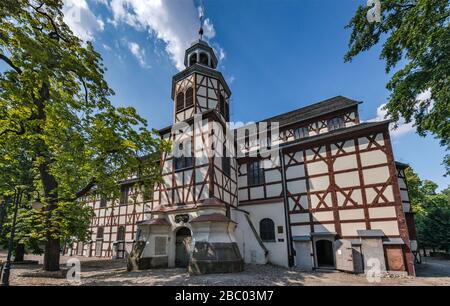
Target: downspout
286 212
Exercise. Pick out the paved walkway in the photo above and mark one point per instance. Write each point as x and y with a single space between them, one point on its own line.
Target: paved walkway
96 271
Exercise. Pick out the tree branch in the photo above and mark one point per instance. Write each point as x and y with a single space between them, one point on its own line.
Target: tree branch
55 33
19 132
86 189
10 63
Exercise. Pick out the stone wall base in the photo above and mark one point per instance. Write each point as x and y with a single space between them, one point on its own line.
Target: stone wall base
216 257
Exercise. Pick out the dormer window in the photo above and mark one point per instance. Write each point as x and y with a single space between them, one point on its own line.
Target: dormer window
335 123
204 59
301 132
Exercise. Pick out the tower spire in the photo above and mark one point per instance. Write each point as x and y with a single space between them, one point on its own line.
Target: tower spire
200 16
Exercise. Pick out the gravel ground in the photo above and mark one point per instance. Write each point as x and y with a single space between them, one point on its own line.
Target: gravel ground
108 272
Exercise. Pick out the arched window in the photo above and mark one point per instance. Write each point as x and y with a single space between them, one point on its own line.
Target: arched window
193 59
189 97
267 230
204 59
180 101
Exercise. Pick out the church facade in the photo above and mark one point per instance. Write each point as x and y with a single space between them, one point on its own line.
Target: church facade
312 188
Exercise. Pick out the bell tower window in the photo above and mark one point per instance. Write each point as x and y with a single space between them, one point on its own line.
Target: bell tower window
180 101
193 59
189 97
204 59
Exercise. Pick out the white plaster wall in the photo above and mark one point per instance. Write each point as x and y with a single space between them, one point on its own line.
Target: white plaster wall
388 227
382 212
345 162
347 179
275 211
251 250
351 214
324 228
373 158
350 229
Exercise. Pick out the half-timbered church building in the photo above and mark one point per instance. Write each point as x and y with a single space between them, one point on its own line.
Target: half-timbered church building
329 195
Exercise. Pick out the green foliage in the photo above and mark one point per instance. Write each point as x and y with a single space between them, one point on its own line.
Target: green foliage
432 211
59 133
416 37
433 224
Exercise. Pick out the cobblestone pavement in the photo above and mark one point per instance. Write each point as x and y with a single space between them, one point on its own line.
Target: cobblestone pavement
96 271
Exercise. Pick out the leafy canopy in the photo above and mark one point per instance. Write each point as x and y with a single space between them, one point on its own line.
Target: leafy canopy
55 112
416 40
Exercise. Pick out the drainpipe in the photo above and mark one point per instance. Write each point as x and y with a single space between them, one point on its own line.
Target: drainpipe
286 212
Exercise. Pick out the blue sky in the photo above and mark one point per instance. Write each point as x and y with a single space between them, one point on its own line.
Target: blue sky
277 55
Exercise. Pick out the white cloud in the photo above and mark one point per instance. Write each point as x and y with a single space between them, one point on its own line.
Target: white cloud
139 53
402 128
79 17
174 22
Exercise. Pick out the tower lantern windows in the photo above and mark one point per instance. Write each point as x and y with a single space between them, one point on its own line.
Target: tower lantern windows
193 59
204 59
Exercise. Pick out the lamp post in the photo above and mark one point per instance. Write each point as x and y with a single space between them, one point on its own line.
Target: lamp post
6 270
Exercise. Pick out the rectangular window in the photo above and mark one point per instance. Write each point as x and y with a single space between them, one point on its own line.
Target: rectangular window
255 173
335 123
124 192
226 167
100 233
301 132
183 162
103 201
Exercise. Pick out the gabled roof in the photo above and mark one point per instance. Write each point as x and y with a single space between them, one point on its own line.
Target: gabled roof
314 110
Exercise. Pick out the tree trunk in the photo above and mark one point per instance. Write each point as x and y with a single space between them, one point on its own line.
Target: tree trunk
19 253
52 246
51 255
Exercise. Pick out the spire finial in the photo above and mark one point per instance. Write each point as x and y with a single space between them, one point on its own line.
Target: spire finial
201 16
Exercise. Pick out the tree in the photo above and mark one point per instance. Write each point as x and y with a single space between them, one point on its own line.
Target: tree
432 211
55 102
433 224
416 35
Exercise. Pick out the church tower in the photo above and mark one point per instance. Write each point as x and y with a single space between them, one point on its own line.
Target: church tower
190 224
200 87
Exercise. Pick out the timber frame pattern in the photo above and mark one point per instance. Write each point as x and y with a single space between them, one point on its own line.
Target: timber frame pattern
338 176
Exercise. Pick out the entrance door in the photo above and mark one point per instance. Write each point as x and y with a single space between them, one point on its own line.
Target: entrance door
120 242
98 247
324 249
344 255
182 246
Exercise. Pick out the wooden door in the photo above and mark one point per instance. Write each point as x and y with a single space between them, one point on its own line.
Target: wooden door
344 255
394 255
182 247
